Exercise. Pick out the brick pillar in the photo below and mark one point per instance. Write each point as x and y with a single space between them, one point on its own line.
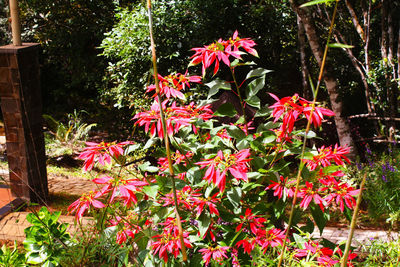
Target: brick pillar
21 105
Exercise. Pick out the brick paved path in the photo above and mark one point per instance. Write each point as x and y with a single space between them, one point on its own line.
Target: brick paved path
67 184
360 237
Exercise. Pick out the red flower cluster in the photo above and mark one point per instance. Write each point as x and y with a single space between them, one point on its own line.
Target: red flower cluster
192 200
324 256
290 108
217 253
218 166
281 188
176 117
327 191
101 153
262 237
221 51
184 197
85 202
251 220
177 158
171 85
121 187
128 230
168 241
326 155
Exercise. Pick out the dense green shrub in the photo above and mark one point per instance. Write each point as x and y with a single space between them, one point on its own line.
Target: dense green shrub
183 24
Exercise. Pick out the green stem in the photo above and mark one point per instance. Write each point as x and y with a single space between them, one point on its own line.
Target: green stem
239 95
166 139
353 224
298 178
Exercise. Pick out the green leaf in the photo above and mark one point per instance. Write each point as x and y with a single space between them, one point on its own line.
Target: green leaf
309 227
257 73
151 191
316 2
253 101
226 109
235 132
217 85
300 241
265 111
234 195
257 146
194 175
310 134
131 148
204 222
319 217
145 167
339 45
243 144
255 86
150 143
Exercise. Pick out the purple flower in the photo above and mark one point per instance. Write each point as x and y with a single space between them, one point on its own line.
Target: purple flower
384 178
368 150
359 166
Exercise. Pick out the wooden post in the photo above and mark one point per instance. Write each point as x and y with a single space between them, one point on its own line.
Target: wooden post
15 25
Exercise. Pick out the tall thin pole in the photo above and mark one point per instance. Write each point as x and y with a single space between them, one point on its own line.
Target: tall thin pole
15 24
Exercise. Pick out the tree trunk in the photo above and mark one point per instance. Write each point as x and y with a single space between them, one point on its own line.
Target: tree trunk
303 59
342 126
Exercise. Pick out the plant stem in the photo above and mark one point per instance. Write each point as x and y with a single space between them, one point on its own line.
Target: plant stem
353 224
298 178
239 95
166 139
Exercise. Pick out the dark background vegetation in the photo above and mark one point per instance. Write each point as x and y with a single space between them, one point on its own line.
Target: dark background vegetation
95 54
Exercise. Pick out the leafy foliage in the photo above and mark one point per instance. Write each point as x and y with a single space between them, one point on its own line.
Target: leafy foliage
47 239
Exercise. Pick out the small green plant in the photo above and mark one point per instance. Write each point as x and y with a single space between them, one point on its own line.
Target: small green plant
91 247
11 257
381 253
64 138
47 239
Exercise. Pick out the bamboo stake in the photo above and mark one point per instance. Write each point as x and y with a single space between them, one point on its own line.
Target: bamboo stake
166 138
15 24
353 224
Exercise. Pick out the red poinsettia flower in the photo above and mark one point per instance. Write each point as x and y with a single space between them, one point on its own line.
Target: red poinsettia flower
199 203
217 253
171 85
84 203
313 248
218 166
221 50
343 194
121 187
327 155
255 222
248 244
184 197
308 193
176 117
280 188
169 243
127 229
101 153
246 43
271 238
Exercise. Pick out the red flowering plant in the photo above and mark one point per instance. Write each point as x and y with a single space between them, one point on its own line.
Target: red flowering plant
219 192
